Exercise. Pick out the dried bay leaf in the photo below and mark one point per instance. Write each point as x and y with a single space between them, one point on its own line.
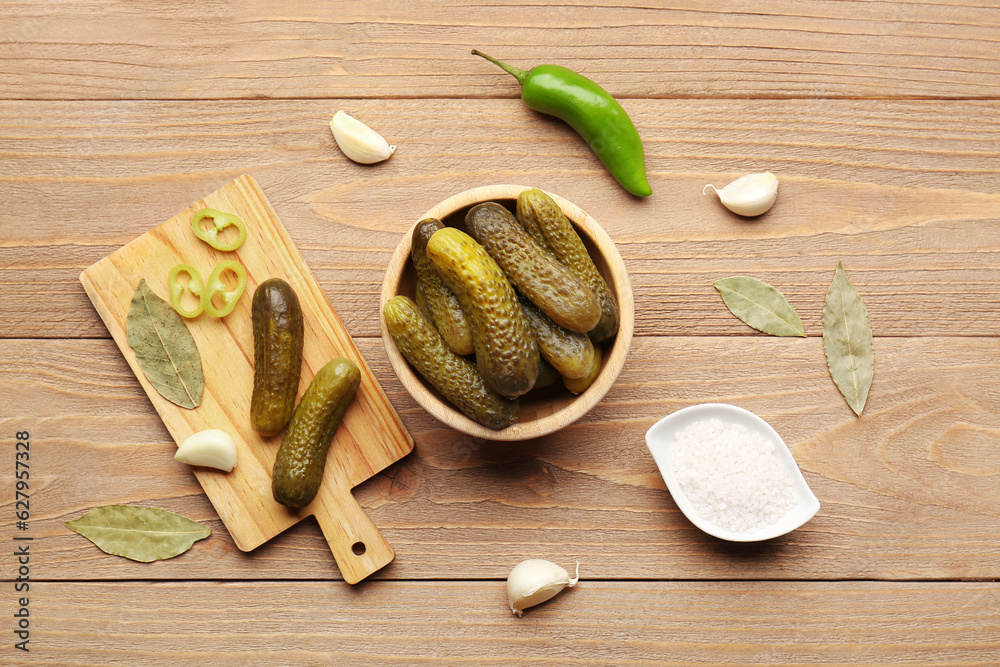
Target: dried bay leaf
847 341
143 534
164 348
760 305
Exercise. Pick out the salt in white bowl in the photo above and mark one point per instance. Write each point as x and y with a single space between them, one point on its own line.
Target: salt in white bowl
660 439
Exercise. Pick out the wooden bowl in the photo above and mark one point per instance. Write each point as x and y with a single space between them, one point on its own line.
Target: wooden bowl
543 411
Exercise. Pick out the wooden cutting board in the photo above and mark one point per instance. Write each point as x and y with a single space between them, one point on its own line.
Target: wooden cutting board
371 436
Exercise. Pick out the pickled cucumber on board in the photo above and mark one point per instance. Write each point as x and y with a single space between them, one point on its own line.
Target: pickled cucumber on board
537 210
277 351
455 377
569 352
301 459
506 351
556 290
446 312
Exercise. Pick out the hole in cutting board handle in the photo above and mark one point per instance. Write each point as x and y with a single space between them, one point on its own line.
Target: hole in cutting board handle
359 548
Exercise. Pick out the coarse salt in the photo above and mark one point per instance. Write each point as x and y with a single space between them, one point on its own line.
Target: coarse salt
731 475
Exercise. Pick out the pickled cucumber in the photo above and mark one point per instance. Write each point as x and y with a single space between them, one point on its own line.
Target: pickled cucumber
455 377
569 352
506 351
535 209
530 225
277 351
579 385
446 312
556 290
301 459
547 376
421 302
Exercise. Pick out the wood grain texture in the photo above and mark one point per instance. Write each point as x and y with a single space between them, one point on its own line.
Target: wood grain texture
881 120
539 415
909 490
903 192
468 623
733 48
370 437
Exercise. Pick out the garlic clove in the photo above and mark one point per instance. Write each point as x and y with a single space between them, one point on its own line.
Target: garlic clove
358 141
211 448
534 581
750 195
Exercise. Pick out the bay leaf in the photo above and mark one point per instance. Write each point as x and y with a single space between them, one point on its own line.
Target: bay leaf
760 305
164 348
847 341
143 534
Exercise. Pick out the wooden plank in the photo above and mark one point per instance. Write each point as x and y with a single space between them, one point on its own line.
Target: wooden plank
908 491
371 436
903 192
819 48
468 623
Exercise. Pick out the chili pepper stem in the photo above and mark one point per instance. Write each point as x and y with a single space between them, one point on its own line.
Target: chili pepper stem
518 74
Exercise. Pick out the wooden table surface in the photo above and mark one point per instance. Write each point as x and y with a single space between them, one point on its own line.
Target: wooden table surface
881 121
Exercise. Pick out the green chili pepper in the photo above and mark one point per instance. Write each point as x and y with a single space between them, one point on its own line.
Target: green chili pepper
194 286
221 220
217 287
592 112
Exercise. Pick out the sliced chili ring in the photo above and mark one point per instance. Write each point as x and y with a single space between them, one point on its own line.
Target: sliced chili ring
194 286
221 221
217 287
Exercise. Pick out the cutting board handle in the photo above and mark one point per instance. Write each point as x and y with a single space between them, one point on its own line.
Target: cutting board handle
357 546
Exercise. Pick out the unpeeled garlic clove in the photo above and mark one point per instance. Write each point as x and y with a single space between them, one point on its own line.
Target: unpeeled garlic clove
750 195
534 581
358 141
211 448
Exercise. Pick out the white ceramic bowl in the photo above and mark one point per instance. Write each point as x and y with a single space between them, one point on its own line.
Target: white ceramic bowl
660 440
